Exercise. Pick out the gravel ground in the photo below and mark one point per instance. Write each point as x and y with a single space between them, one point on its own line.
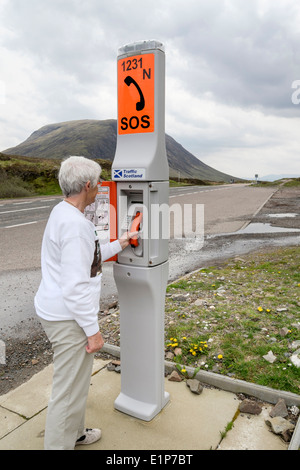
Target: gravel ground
30 354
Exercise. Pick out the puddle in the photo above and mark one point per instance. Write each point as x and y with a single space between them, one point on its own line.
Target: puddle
265 228
256 228
279 216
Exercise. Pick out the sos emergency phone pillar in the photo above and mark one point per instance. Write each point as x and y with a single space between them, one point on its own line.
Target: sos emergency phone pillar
141 171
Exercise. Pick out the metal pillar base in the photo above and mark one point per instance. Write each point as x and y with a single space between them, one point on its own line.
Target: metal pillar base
141 293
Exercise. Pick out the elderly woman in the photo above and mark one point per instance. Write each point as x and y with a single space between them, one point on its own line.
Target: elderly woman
67 301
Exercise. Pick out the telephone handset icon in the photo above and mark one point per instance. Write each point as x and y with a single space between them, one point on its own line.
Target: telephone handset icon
140 104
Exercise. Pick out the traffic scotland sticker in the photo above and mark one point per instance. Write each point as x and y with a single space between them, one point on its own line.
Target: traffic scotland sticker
129 173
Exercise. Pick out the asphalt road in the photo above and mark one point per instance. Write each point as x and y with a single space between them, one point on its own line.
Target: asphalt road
227 209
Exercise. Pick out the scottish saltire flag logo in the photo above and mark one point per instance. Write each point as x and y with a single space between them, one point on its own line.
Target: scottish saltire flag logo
118 174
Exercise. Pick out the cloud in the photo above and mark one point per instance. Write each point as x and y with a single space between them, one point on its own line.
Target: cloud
230 65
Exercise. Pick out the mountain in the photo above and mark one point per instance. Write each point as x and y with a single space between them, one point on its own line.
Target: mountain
97 139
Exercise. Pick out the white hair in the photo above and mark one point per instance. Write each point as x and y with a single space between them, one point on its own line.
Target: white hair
75 172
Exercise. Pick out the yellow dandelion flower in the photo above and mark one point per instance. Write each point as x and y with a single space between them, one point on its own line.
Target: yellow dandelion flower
220 356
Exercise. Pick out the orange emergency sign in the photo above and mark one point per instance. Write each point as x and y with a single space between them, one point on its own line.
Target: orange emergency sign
136 89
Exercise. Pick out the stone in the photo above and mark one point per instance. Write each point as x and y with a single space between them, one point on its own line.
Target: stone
250 406
114 365
169 356
295 344
177 351
175 377
180 297
279 409
295 358
283 331
279 425
294 410
199 302
195 386
270 357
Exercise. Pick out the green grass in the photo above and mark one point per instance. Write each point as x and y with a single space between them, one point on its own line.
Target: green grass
244 307
28 176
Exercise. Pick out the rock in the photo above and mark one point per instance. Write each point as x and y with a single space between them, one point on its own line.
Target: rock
116 362
175 377
169 356
114 365
295 344
283 331
295 358
270 357
199 302
294 410
279 425
195 386
180 297
177 351
250 406
279 409
280 310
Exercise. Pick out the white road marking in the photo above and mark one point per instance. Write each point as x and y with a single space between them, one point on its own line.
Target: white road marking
19 225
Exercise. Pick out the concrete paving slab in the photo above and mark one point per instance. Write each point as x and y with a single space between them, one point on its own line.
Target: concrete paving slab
28 436
250 432
31 396
9 421
188 421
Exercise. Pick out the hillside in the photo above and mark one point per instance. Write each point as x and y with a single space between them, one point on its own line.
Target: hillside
97 139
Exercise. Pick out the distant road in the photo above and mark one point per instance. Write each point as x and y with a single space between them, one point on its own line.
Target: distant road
22 222
17 213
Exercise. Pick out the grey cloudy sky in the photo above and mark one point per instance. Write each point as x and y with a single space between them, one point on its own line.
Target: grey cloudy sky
232 72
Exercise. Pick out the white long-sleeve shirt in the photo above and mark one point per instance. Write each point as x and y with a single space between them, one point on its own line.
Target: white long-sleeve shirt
71 269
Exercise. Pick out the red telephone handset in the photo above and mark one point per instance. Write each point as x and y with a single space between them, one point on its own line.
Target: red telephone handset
135 227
